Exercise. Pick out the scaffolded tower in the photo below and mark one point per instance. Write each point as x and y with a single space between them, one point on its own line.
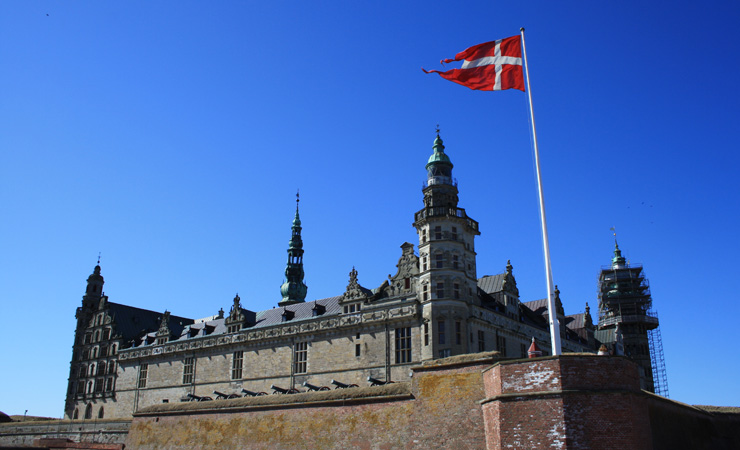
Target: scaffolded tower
627 323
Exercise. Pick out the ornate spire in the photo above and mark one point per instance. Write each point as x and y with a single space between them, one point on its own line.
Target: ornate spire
587 320
618 260
439 166
294 289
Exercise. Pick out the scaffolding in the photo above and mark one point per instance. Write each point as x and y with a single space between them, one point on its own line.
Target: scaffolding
657 361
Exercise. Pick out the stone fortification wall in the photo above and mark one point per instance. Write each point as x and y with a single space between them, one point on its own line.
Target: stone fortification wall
27 434
677 426
438 409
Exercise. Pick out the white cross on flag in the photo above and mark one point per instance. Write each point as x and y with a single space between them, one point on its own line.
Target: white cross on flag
491 66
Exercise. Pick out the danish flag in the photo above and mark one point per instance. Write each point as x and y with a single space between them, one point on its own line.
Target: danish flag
491 66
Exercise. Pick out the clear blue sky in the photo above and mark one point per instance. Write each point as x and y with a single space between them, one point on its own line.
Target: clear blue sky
172 135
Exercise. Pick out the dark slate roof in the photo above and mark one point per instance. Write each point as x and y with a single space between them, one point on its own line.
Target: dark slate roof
302 311
134 322
537 306
492 283
575 321
274 316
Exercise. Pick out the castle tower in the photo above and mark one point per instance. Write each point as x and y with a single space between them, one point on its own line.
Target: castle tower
625 307
447 279
294 289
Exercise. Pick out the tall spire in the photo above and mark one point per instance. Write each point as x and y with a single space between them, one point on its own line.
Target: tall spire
618 260
294 289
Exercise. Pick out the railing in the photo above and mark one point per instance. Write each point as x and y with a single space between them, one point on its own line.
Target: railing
445 211
628 319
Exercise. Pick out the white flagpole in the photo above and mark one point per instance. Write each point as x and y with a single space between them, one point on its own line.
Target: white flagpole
554 325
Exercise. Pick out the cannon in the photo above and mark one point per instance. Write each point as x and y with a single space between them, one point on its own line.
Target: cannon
252 394
340 385
220 395
279 390
198 398
311 387
376 382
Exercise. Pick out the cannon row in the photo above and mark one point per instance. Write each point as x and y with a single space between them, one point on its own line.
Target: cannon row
279 390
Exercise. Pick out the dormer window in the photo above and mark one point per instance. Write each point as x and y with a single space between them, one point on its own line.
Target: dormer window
288 315
318 310
354 307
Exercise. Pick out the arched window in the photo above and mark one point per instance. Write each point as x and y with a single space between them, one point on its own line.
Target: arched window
100 413
88 411
101 368
112 367
92 370
83 371
103 351
95 352
97 335
89 387
113 349
76 414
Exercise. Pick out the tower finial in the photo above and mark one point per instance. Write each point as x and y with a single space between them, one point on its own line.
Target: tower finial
98 258
437 130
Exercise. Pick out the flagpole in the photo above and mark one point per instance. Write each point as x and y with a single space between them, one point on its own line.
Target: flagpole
554 325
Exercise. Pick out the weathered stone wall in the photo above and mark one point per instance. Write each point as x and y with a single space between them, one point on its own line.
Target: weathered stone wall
441 412
677 426
24 434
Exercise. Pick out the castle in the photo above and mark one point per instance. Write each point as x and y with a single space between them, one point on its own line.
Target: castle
125 358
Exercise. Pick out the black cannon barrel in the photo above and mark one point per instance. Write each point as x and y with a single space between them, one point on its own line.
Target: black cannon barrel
377 382
340 385
278 389
194 397
253 394
220 394
312 387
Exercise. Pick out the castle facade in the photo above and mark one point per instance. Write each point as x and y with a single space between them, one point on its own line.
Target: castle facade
126 358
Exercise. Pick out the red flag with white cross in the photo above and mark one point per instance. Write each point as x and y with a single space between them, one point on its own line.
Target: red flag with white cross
491 66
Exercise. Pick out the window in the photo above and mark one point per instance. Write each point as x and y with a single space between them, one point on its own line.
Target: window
100 413
187 370
233 328
83 371
444 353
426 294
97 336
458 332
524 351
426 334
113 349
103 351
88 338
143 369
85 354
441 331
440 290
77 414
454 233
109 385
403 345
301 357
106 334
407 283
439 260
92 370
88 411
101 368
236 365
89 387
112 367
501 345
438 233
80 388
481 341
98 385
358 350
424 264
455 262
456 290
423 236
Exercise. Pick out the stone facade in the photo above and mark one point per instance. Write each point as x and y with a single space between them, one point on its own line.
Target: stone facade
435 306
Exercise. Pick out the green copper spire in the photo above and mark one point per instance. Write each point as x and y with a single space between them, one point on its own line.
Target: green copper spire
439 166
618 260
294 289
